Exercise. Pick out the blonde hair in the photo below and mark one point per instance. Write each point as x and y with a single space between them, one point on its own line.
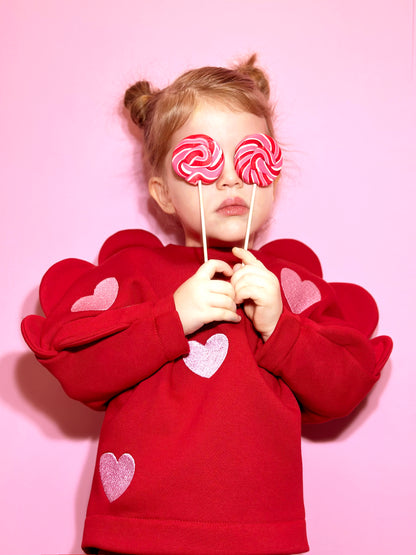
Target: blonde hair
162 112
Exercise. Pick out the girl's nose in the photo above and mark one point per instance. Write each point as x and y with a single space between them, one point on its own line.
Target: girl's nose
229 177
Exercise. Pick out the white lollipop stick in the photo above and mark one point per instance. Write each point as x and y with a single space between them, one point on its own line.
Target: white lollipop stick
257 160
204 234
197 158
250 216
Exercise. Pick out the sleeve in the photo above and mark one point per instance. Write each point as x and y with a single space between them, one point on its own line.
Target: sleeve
104 331
321 347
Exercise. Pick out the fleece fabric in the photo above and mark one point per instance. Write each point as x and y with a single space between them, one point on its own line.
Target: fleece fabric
200 449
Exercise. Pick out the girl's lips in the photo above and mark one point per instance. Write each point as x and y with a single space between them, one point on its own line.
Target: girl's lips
233 207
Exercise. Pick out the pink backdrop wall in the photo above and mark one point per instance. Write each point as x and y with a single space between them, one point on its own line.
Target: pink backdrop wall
344 75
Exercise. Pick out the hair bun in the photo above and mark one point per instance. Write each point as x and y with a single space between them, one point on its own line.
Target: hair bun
137 100
250 69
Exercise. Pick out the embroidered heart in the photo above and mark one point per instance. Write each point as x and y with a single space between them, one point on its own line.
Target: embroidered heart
299 294
204 360
103 297
116 475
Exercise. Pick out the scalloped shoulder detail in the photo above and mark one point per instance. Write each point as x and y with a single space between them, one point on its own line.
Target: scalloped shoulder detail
125 239
294 251
58 279
357 305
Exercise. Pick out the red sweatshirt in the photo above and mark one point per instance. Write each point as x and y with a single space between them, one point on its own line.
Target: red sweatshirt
200 446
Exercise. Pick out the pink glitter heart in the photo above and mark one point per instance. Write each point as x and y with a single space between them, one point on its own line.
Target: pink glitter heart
103 297
204 360
299 294
116 475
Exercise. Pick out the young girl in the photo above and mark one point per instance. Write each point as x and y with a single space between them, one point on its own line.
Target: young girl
205 369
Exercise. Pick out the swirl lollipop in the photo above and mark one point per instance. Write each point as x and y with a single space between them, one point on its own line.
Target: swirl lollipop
258 160
199 159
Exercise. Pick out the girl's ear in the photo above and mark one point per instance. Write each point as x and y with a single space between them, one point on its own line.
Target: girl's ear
160 193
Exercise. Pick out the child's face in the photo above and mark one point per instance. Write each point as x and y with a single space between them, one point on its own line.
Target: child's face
227 201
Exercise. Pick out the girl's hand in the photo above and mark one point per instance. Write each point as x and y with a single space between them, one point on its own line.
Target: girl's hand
201 299
259 289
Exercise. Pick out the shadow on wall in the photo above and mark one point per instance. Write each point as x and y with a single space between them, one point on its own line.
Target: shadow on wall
37 394
43 399
32 391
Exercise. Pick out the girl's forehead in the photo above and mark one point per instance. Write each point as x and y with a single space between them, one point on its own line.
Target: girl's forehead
228 127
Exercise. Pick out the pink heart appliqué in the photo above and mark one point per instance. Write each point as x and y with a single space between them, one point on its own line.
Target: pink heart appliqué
116 475
204 360
103 297
299 294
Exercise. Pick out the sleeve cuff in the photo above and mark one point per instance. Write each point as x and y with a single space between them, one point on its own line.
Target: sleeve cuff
271 354
169 328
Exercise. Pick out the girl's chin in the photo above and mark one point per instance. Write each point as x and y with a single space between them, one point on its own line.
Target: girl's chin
221 244
234 236
231 238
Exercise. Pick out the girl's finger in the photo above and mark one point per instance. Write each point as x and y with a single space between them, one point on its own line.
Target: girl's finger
248 273
224 315
237 267
222 287
244 293
247 257
222 301
212 267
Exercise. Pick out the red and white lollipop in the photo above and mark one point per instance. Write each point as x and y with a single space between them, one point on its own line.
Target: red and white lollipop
199 160
258 161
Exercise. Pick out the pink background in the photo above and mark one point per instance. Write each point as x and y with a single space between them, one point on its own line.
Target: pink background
344 76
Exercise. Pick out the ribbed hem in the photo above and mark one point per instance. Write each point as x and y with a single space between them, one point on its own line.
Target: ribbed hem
148 536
